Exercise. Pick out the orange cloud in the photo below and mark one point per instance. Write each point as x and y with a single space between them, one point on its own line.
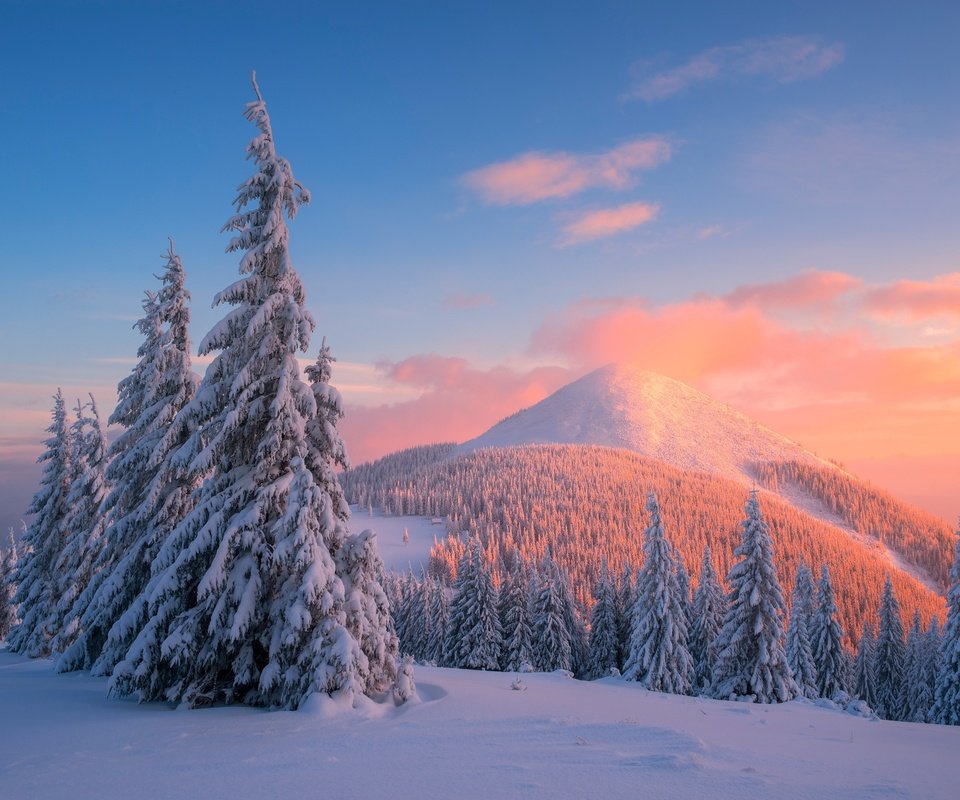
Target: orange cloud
536 176
608 222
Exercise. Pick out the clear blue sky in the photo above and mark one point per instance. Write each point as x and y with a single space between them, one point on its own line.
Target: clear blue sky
122 125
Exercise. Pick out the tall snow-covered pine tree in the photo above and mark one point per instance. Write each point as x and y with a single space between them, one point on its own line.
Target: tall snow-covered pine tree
147 497
43 542
889 655
708 613
263 619
750 658
659 657
827 640
799 650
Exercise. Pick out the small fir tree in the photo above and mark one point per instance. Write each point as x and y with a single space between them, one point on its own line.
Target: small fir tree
864 682
827 640
515 617
604 641
439 611
474 636
43 542
708 612
659 657
889 657
552 645
8 589
946 701
750 658
83 525
916 701
799 649
626 597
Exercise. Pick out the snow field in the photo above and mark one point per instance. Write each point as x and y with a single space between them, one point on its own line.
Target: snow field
396 555
470 736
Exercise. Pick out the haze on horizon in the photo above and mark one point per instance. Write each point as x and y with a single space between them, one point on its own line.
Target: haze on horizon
760 202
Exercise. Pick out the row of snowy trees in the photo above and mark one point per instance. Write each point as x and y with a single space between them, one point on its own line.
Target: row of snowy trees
654 630
204 556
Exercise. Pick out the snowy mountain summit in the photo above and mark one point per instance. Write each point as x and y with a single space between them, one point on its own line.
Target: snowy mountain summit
650 414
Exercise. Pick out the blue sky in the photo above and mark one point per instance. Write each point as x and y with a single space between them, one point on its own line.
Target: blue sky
801 136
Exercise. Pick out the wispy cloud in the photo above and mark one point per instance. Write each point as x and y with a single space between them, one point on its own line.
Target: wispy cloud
783 58
710 231
535 176
608 222
459 300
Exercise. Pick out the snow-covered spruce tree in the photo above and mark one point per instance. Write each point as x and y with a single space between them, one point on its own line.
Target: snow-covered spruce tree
147 498
604 639
552 645
827 640
799 649
889 656
683 584
708 612
916 696
8 589
931 666
439 611
474 638
368 610
263 619
83 524
575 627
750 657
43 542
626 596
946 701
515 617
414 614
358 560
659 657
864 682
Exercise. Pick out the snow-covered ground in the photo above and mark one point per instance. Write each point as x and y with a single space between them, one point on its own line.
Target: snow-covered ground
396 555
471 736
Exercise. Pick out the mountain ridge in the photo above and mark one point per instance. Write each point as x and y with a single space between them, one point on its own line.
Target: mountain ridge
650 414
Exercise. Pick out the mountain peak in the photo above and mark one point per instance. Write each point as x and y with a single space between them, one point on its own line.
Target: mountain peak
651 414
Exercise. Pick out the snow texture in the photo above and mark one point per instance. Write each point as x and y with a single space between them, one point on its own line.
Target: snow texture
471 737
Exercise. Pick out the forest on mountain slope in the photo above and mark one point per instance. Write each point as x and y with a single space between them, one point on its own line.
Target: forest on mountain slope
586 503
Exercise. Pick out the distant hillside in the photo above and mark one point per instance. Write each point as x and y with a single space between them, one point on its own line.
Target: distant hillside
585 502
571 474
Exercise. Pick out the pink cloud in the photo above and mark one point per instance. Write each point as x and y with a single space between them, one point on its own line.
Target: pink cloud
917 300
463 301
784 58
536 176
457 403
608 222
809 288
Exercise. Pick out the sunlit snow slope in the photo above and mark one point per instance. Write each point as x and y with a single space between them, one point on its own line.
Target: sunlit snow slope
650 414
